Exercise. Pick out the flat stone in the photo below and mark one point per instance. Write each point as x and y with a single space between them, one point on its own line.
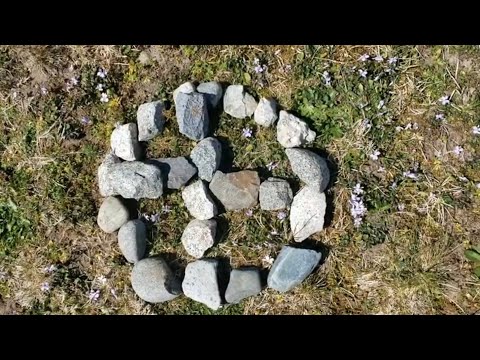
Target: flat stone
201 283
243 283
186 88
112 214
275 194
150 120
291 267
124 142
293 132
237 190
192 115
238 103
132 240
199 236
207 156
198 201
213 91
311 168
307 214
104 183
266 112
136 180
178 170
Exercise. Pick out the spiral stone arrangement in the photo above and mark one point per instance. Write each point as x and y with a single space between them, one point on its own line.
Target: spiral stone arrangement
124 175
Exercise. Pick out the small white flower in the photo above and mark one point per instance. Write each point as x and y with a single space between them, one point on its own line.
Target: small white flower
378 58
114 293
43 90
394 185
444 100
70 68
438 154
457 150
104 98
392 60
45 287
50 269
102 73
463 178
154 218
364 57
327 78
357 190
401 207
415 126
439 117
408 126
366 124
85 120
381 104
249 212
271 165
357 207
73 81
281 215
102 279
363 73
277 52
376 78
166 208
476 130
381 169
258 69
398 128
374 155
478 186
288 67
274 232
94 295
247 132
268 260
99 87
410 175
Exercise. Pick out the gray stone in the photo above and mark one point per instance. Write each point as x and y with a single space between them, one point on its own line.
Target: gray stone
178 171
291 267
112 214
199 236
201 283
237 190
150 120
213 91
136 180
104 183
292 132
243 283
132 240
198 201
311 168
307 214
192 115
124 142
275 194
266 112
153 281
207 156
186 88
238 103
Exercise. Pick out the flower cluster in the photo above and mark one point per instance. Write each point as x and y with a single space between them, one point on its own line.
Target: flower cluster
258 67
357 207
328 79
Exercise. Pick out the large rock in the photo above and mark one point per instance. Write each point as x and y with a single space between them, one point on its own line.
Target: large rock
238 103
275 194
112 214
192 115
186 88
136 180
292 132
291 267
207 156
307 214
104 183
201 283
199 236
198 201
237 190
178 171
124 142
132 240
266 112
213 91
243 283
311 168
150 120
153 281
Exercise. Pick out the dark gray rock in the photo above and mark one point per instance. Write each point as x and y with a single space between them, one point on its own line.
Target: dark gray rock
132 240
136 180
207 156
213 91
243 283
150 120
192 115
201 283
237 190
178 170
112 214
275 194
186 88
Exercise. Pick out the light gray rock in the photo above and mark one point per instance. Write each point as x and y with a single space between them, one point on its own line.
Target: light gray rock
291 267
192 115
124 142
311 168
266 112
112 214
104 183
207 156
153 281
186 88
238 103
150 120
198 201
136 180
132 240
307 214
243 283
293 132
275 194
237 190
178 170
213 91
201 283
199 236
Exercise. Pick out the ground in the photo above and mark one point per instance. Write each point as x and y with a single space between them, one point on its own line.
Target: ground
422 193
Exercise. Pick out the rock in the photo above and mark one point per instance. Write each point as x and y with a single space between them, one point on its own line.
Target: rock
153 281
266 112
238 103
207 156
199 236
292 132
311 168
243 283
307 214
213 91
237 190
178 171
124 142
192 115
144 58
132 240
201 283
185 88
275 194
291 267
104 183
112 214
198 201
136 180
150 120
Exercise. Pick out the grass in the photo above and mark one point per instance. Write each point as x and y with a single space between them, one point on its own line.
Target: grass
407 257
